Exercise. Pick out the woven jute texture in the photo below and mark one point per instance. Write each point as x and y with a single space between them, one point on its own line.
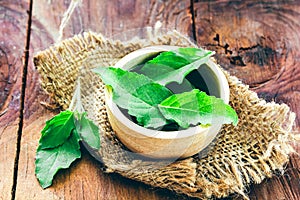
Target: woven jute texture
256 148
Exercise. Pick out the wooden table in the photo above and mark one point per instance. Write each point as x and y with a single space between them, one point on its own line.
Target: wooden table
258 41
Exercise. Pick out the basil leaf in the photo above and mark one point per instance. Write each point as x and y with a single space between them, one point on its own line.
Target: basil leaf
137 93
87 130
148 113
192 54
49 161
173 66
191 108
57 130
59 144
169 58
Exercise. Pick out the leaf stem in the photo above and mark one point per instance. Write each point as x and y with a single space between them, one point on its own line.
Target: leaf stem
76 104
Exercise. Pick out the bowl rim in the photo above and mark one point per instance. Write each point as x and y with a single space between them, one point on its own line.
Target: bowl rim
224 94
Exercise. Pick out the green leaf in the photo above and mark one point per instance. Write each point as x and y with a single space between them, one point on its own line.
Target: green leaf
173 66
57 130
192 54
49 161
169 58
87 130
137 93
191 108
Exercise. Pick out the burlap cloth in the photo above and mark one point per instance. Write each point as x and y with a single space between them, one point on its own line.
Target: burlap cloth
242 155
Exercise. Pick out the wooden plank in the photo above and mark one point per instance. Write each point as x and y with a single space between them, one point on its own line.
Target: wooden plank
13 19
259 43
250 44
85 180
76 183
113 17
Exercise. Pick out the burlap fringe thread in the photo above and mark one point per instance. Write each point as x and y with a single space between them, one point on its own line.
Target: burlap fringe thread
245 154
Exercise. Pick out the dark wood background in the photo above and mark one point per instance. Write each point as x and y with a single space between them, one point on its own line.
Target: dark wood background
258 41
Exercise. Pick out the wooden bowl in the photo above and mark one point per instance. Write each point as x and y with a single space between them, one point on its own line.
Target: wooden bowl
166 144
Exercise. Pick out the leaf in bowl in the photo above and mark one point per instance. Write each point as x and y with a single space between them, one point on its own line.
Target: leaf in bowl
173 66
194 107
137 93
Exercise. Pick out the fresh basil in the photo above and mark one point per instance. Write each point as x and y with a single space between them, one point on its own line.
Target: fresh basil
192 108
57 130
174 66
144 94
87 130
137 93
59 143
50 161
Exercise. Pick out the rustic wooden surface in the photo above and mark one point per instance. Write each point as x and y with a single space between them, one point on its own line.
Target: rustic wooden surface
254 40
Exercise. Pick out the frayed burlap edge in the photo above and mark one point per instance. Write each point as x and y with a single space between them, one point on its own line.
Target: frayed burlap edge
245 154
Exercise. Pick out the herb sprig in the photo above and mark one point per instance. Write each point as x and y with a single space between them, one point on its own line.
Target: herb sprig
59 143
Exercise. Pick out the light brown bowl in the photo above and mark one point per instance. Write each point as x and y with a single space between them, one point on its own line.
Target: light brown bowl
166 144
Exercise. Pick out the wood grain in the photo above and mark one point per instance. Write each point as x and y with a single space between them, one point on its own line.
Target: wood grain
85 179
12 42
259 43
113 17
250 44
